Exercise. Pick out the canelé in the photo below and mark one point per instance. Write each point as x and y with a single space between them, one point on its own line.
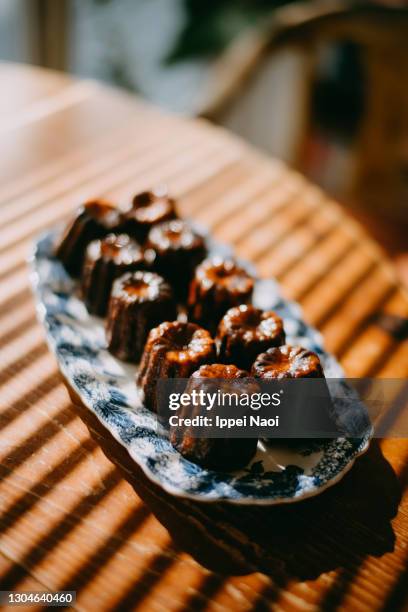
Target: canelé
148 209
93 220
214 453
105 260
310 406
179 249
139 301
173 350
287 362
218 284
245 331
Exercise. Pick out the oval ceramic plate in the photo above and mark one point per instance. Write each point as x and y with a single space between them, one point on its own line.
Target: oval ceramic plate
106 386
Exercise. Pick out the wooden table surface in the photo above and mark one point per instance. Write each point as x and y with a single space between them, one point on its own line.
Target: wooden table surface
69 518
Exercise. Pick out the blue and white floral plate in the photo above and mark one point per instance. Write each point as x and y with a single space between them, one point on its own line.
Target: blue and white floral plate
106 386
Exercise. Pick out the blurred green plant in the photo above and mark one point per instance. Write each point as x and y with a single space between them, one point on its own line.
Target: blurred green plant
212 24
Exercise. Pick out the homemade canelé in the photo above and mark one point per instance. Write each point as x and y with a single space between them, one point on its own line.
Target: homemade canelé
218 284
173 350
148 209
93 220
105 260
179 249
310 406
214 453
245 331
139 301
287 362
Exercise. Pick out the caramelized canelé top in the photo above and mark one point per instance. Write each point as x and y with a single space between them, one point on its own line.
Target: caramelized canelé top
93 220
149 208
140 287
247 325
220 371
226 378
174 235
223 276
118 248
102 211
181 342
288 362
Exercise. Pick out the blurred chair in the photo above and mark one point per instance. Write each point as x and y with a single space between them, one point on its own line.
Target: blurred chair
239 96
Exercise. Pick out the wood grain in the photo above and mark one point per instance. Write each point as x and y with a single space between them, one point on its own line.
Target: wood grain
74 511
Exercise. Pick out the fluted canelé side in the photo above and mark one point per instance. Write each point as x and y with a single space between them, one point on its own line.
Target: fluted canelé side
245 331
179 249
93 220
106 260
218 284
148 209
173 350
221 454
139 302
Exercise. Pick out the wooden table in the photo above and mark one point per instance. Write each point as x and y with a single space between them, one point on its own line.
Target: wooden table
69 519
